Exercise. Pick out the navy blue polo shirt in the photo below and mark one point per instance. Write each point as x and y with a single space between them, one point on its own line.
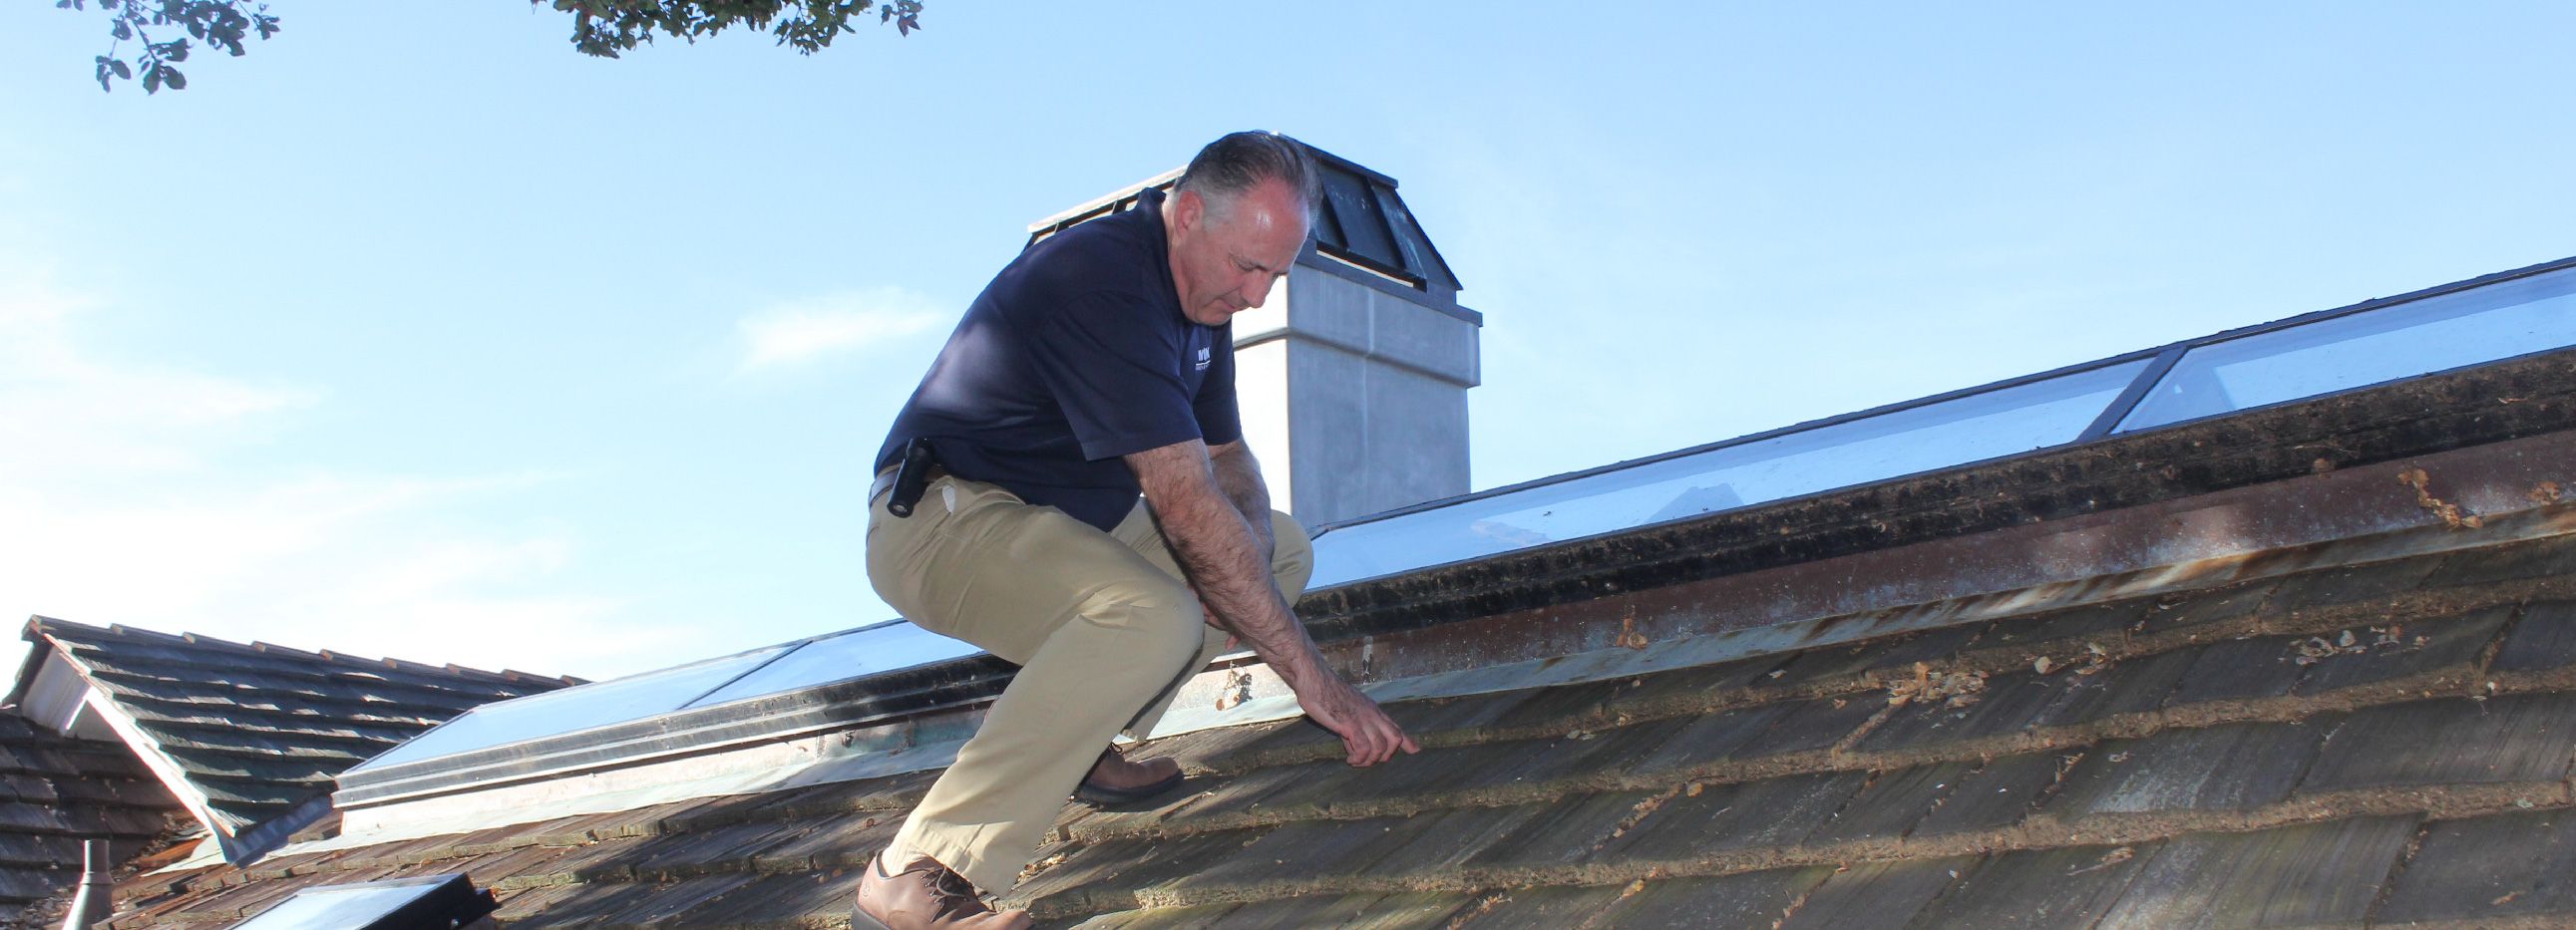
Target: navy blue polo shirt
1075 355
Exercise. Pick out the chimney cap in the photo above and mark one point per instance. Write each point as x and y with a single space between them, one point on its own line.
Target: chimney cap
1361 222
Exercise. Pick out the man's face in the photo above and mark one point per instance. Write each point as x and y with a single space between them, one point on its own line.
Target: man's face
1224 260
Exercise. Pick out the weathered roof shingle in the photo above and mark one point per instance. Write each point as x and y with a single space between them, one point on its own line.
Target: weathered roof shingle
57 793
253 733
2386 741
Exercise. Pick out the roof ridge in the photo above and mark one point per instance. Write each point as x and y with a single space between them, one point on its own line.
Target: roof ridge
50 627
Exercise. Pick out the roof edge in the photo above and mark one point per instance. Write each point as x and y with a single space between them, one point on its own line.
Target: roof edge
41 625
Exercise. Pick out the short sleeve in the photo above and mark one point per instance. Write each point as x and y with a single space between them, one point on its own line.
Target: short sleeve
1220 420
1113 371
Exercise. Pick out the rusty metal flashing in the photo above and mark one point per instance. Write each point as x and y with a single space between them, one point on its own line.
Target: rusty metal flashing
2344 517
2507 400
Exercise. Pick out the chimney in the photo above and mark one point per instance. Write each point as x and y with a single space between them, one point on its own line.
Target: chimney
1353 376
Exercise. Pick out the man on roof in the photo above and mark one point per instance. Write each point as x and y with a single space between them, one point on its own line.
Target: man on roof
1098 366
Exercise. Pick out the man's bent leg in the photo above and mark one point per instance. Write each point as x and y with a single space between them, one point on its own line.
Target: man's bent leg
1094 626
1292 563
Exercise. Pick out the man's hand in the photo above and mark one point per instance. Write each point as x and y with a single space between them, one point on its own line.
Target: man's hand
1370 735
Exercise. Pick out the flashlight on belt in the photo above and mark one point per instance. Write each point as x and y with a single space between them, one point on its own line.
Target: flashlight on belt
910 478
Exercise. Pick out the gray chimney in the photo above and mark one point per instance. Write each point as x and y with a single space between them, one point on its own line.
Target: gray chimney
1353 376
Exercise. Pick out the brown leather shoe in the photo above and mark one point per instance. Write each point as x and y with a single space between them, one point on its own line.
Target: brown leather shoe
1114 780
925 896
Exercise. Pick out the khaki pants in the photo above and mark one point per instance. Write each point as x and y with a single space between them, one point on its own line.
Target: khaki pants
1103 628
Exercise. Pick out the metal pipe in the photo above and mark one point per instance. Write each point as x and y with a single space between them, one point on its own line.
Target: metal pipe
97 890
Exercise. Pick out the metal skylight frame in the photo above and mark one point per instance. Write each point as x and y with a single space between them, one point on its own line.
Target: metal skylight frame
931 689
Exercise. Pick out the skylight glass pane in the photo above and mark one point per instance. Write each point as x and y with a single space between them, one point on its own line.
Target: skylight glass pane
1952 432
843 656
2498 321
341 905
580 707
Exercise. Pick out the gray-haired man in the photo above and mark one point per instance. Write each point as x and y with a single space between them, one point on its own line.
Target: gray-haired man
1096 367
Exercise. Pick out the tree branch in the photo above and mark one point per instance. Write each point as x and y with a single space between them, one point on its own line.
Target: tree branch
602 28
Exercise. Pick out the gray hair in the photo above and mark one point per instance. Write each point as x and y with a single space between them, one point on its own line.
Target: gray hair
1237 161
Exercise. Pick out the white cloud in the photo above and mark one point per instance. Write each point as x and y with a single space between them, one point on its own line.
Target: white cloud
121 502
798 332
62 408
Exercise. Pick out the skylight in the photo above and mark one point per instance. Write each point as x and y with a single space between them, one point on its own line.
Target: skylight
2459 325
576 708
2472 323
1979 426
840 657
883 647
2437 333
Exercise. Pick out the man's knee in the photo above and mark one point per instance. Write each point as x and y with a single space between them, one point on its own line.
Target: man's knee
1292 555
1161 612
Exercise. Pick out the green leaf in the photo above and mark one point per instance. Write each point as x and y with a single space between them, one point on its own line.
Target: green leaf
120 69
172 77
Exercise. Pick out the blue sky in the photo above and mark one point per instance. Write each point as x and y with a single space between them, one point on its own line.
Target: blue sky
427 336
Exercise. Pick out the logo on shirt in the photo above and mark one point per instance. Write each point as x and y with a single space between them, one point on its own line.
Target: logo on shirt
1203 358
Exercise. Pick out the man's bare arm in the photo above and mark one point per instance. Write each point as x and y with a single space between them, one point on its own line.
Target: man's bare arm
1238 475
1229 568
